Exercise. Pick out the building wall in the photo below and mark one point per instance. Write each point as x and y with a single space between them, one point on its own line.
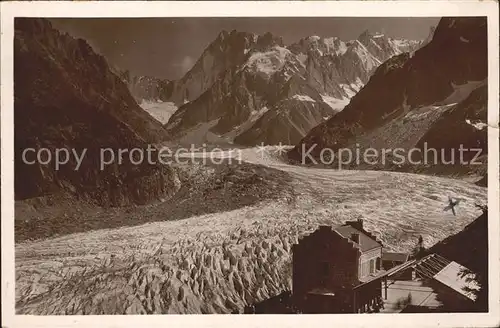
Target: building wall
324 260
374 255
366 295
341 303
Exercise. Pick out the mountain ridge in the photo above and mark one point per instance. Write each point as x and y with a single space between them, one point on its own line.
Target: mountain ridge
240 80
413 92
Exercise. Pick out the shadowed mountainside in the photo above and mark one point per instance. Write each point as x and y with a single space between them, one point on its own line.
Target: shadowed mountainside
203 190
66 97
146 88
437 96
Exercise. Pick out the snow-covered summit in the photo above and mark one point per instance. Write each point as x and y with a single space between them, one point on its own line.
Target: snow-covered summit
239 73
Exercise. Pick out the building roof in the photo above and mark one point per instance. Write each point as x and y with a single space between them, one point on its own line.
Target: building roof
393 256
400 268
366 242
371 277
448 273
453 277
431 265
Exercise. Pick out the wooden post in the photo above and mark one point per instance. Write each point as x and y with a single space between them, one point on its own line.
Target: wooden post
355 308
385 287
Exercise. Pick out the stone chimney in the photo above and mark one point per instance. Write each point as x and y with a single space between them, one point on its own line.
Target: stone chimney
355 237
357 224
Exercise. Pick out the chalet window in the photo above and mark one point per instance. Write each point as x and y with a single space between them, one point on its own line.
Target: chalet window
372 266
378 263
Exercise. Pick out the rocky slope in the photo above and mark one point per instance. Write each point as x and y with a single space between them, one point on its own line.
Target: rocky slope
436 96
152 94
66 97
146 88
252 88
222 187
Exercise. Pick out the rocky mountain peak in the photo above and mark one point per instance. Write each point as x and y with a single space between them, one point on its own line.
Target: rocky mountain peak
233 39
414 99
37 28
318 45
242 76
432 29
222 35
268 40
366 36
458 32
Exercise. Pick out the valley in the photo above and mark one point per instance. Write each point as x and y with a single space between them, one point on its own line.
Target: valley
222 261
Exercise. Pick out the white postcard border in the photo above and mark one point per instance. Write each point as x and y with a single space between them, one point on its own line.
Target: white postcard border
430 8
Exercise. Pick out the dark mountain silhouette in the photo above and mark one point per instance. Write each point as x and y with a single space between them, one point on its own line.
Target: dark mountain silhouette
67 97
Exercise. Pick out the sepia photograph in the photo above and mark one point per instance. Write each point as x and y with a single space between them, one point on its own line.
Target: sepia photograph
252 164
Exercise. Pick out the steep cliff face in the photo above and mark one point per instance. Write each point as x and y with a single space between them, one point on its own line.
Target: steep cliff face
417 98
66 97
296 109
252 89
147 88
464 124
228 50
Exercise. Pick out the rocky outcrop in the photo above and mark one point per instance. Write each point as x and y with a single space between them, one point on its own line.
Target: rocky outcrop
66 97
417 98
463 125
252 89
299 107
228 50
147 88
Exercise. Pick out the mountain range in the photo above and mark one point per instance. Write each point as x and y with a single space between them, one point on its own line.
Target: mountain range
245 89
434 98
217 238
251 89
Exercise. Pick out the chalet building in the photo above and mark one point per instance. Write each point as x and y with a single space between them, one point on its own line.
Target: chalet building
344 269
338 270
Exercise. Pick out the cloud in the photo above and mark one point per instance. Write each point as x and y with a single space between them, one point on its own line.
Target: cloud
186 64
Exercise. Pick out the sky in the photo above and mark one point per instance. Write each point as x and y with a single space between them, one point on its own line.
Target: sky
168 48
